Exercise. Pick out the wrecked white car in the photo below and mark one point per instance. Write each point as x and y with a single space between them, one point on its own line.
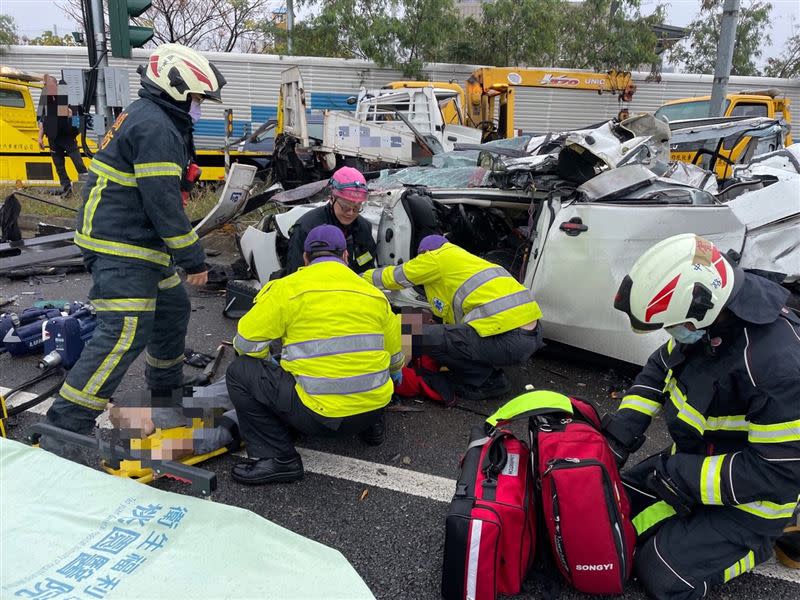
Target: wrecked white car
569 223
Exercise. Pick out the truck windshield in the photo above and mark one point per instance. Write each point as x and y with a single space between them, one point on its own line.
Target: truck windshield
687 110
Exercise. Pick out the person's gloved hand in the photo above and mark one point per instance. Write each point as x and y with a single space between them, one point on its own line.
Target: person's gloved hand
397 377
665 488
620 452
196 359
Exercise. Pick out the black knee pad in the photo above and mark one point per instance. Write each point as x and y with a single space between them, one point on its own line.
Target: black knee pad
660 579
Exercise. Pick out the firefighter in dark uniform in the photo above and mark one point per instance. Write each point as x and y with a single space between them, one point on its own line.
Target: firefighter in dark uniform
133 233
348 193
728 381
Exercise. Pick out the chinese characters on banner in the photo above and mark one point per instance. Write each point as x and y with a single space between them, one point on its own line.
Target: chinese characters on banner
94 571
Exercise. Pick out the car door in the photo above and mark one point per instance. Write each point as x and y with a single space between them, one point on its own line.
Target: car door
587 250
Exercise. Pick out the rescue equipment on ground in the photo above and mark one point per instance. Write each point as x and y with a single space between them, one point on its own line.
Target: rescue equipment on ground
586 510
578 500
188 431
21 334
490 530
65 336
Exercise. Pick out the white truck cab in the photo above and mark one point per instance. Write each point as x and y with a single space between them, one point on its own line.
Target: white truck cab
392 126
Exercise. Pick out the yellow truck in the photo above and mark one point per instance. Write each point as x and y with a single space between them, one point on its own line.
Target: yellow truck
762 103
24 164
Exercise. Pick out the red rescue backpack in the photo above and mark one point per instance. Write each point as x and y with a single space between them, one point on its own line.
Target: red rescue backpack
490 529
568 473
586 510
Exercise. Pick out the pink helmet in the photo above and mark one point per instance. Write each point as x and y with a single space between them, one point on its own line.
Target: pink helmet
349 184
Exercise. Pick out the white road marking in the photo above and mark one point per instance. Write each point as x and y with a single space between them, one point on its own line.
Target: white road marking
773 568
431 487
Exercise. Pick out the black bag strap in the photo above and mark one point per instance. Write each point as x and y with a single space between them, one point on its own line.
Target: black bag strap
496 457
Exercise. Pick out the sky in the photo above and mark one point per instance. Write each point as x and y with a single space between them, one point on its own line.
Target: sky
35 16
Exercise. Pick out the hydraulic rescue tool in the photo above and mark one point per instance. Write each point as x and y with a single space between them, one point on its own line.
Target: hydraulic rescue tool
61 334
65 336
21 334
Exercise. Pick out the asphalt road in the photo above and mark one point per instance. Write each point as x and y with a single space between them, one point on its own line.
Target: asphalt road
393 539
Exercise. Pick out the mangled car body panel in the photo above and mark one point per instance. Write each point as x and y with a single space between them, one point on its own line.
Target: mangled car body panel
572 239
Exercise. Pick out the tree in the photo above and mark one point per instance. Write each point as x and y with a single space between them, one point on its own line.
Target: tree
8 32
215 25
402 34
607 34
549 33
786 65
48 38
698 52
520 32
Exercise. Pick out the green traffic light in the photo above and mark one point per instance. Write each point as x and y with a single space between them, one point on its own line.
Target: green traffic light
125 36
137 7
139 36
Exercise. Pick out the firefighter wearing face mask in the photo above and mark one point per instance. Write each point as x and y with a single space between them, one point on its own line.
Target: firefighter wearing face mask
348 193
133 233
728 381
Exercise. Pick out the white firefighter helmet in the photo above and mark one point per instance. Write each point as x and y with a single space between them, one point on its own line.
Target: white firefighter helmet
684 278
181 71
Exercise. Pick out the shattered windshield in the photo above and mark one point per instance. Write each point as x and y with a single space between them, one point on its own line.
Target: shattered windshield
452 177
465 158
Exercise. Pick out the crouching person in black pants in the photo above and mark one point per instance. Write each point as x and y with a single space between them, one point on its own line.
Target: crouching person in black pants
712 506
341 353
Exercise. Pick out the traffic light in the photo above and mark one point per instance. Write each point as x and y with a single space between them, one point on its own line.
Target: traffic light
125 36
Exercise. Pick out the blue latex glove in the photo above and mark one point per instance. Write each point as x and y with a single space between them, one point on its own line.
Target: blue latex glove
397 377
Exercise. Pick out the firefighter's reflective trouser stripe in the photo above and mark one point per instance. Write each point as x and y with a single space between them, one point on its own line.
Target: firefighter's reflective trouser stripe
138 308
681 558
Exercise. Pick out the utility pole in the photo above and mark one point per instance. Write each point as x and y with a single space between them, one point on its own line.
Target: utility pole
101 61
289 25
722 69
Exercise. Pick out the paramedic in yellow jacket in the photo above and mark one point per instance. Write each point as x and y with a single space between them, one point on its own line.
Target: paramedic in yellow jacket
490 319
341 354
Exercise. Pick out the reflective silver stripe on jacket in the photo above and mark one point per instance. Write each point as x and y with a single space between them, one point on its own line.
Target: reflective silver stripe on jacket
319 386
400 277
497 306
472 284
377 277
336 345
397 360
242 344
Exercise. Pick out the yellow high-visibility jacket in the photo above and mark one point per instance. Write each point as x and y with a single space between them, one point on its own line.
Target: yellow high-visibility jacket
462 288
340 337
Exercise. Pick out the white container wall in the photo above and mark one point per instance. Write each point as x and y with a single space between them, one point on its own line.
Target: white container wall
253 82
